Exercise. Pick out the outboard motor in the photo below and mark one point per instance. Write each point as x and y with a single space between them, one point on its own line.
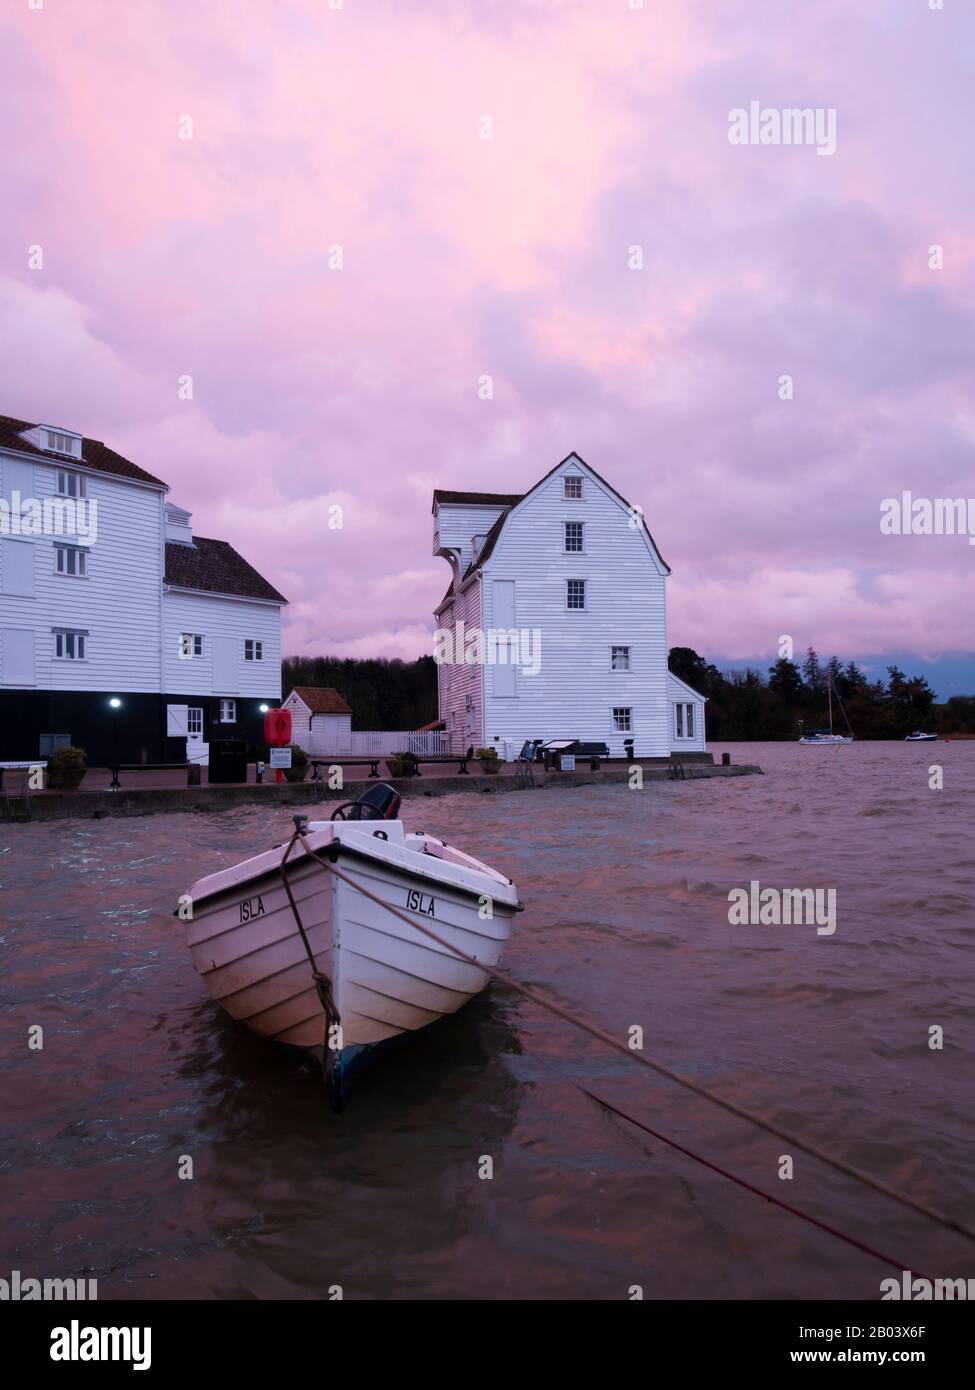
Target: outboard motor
381 802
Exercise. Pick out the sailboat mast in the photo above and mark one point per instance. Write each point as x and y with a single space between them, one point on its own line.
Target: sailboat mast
829 689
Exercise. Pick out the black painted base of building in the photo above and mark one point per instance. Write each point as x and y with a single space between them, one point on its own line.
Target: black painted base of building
135 732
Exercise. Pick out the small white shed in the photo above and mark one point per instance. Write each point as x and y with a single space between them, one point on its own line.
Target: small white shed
321 709
686 716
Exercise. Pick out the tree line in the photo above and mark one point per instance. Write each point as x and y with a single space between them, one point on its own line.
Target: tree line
748 704
383 694
742 705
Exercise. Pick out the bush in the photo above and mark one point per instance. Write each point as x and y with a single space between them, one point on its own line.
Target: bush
68 757
299 764
482 753
66 768
402 764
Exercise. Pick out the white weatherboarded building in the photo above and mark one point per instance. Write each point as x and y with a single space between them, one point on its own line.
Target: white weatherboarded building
319 709
120 631
572 569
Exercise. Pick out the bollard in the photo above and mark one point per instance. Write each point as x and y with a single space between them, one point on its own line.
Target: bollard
193 775
725 759
594 763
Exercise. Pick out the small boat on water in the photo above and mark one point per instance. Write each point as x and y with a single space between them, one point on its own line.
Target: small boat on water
342 939
825 737
918 737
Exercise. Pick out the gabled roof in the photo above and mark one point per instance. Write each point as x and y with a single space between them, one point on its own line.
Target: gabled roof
689 688
93 453
216 568
321 699
493 535
474 499
490 541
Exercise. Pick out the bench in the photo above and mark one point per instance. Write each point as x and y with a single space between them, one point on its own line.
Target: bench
340 760
461 759
115 768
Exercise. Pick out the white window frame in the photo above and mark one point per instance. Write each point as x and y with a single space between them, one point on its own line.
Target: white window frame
63 552
622 713
253 648
228 712
679 719
575 607
69 643
689 719
190 645
579 527
68 477
194 720
620 647
572 495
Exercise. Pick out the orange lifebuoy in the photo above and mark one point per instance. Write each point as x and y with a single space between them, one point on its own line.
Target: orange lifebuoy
277 728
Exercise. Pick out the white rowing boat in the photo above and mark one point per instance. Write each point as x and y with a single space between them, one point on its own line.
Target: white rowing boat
380 976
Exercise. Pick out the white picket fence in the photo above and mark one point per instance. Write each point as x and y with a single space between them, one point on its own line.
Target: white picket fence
370 743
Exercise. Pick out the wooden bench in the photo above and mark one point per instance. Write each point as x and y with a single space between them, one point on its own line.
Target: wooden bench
340 760
461 759
115 768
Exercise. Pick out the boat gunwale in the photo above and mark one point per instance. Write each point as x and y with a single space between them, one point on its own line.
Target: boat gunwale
336 849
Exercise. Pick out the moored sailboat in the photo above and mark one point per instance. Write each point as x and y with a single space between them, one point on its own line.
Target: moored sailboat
826 737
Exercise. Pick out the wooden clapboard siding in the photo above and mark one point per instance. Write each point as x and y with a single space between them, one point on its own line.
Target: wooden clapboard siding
575 691
457 680
118 602
215 617
679 692
456 525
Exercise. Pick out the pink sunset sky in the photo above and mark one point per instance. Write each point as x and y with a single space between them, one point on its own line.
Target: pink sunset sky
359 127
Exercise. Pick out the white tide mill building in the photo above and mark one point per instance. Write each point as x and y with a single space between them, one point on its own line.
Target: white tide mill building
570 571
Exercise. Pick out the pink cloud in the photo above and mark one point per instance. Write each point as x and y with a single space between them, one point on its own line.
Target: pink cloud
314 386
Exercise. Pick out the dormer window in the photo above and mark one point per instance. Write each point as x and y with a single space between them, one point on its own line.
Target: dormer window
70 484
61 442
573 486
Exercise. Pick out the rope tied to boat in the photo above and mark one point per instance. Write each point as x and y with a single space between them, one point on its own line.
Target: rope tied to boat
553 1007
323 984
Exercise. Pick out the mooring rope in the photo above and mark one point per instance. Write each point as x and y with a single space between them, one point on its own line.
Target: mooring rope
750 1187
803 1145
323 985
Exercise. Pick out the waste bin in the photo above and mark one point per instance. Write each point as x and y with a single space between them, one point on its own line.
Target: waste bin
228 760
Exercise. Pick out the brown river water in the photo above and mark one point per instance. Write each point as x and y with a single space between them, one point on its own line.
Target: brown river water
627 917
